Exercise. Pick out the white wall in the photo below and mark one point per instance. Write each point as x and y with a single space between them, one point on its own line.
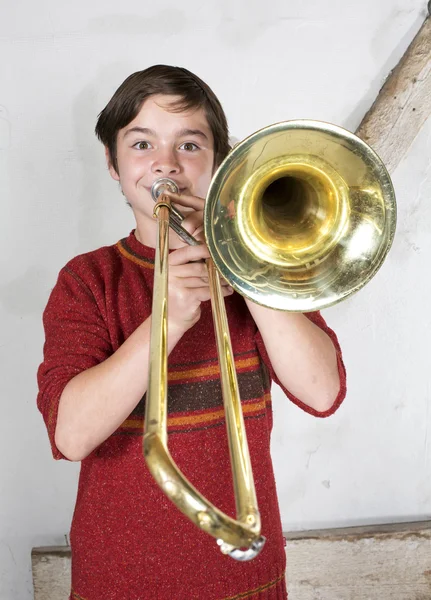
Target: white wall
267 61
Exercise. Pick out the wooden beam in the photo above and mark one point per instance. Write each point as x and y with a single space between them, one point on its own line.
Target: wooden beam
361 563
403 104
51 572
360 531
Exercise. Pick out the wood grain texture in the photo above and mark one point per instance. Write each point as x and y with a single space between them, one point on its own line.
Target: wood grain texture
51 573
403 104
361 563
384 562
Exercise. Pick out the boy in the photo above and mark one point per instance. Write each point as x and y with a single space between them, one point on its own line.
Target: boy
128 541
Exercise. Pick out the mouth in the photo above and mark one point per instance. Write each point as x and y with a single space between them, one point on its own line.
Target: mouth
181 190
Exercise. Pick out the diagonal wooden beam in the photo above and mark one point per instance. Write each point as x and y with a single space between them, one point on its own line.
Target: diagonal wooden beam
403 104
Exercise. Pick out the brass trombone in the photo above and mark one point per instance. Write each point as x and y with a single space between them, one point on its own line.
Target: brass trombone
299 216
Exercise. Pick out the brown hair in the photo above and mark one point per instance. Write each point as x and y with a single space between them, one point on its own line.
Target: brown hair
126 103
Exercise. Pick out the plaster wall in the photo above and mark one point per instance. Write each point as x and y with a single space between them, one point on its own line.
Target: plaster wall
267 62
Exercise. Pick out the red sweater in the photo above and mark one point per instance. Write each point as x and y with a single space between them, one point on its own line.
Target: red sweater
128 541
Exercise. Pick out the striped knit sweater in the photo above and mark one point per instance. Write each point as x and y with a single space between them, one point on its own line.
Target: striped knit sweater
128 541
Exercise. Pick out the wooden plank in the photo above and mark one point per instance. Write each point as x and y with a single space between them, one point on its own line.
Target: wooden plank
403 104
361 563
51 572
347 533
381 562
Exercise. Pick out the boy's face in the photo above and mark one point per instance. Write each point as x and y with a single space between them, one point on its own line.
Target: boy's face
159 143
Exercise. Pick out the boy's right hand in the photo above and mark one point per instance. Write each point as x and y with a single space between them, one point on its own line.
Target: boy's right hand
188 286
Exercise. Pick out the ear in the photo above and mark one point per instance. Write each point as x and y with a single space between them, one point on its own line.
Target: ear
111 169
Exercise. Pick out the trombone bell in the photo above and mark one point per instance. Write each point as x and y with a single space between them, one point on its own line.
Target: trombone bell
300 215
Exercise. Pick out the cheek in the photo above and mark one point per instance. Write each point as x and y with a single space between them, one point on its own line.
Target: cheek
202 175
202 183
133 168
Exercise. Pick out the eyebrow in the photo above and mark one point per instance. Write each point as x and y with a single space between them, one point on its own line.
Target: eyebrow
187 132
180 133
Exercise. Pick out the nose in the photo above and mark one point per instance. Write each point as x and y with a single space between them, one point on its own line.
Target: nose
166 163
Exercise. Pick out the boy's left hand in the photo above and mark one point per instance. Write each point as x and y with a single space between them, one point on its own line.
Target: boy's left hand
193 219
194 216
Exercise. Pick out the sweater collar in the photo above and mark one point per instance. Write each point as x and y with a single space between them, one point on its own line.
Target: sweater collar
131 247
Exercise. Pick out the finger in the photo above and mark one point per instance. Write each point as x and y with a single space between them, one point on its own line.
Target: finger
188 254
191 281
193 221
203 294
190 269
188 283
223 281
186 200
199 233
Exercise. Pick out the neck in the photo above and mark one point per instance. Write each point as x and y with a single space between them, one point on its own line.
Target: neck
146 233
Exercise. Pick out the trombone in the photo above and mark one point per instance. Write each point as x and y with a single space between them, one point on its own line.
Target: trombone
298 217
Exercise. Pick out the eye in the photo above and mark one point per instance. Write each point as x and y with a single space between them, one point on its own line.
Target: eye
142 145
189 146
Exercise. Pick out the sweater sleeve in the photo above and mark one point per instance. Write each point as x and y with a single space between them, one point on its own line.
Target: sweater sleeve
318 320
76 338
